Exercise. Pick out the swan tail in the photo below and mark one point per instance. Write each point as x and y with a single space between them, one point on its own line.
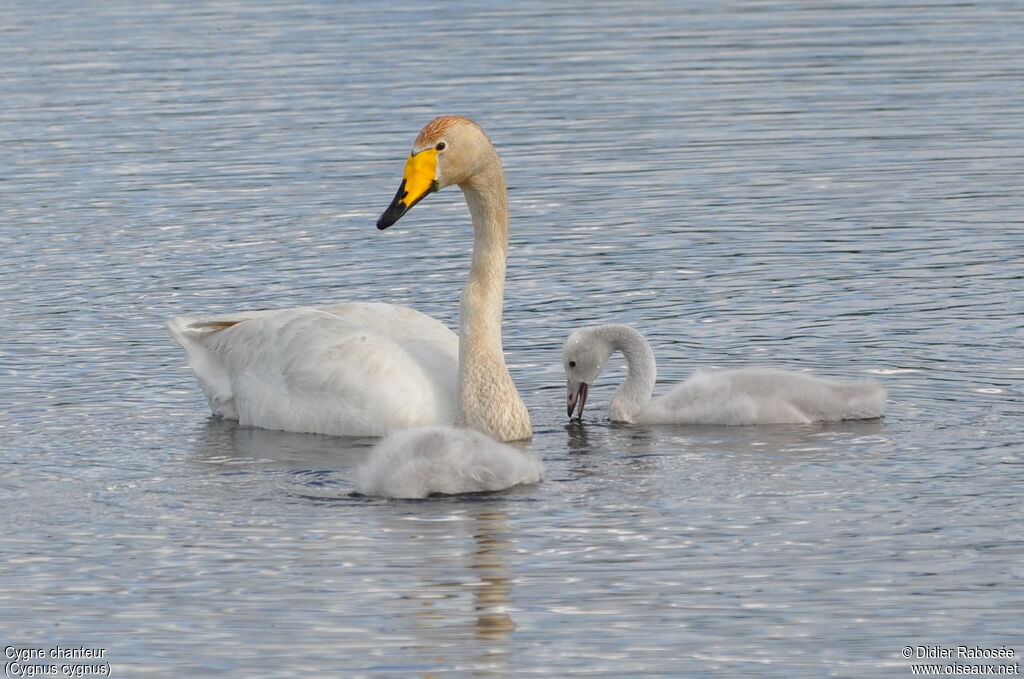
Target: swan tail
212 326
191 333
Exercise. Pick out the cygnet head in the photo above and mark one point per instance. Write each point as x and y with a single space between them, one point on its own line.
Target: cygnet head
449 150
583 357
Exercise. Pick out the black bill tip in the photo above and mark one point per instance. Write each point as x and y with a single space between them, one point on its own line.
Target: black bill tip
391 215
395 210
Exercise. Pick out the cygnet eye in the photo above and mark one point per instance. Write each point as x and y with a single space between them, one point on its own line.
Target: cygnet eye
572 364
441 146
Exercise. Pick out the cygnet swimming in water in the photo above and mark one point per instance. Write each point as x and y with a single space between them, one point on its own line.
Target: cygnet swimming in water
415 463
742 396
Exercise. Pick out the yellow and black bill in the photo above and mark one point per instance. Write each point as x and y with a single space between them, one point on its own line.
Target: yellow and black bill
418 180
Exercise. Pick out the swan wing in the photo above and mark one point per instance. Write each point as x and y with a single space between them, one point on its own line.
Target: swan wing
347 369
765 396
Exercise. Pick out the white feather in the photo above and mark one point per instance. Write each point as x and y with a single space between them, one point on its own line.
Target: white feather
743 396
348 369
415 463
365 369
764 396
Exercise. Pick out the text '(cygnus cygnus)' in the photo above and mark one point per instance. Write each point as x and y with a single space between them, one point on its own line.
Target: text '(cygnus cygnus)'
368 369
743 396
415 463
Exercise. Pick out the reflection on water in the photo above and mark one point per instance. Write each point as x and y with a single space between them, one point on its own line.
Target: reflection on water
491 599
218 439
578 441
444 614
833 187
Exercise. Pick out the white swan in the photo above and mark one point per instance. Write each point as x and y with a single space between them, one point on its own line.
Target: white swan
415 463
368 369
743 396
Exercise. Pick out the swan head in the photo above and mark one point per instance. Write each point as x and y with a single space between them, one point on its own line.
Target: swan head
583 357
449 150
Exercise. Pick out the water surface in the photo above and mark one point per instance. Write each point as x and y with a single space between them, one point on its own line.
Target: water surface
821 186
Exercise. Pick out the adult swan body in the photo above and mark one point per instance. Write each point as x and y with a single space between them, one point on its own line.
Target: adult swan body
365 369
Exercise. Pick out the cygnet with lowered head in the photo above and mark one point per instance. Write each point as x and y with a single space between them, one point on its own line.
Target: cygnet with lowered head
423 461
741 396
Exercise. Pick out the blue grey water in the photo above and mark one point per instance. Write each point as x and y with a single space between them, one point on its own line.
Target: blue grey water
829 186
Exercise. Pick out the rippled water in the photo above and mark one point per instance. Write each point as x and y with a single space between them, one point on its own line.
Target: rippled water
834 186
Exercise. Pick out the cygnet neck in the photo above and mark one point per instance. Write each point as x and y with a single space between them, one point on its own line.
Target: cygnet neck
488 399
634 393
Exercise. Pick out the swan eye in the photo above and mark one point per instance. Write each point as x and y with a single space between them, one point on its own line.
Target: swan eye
441 146
572 364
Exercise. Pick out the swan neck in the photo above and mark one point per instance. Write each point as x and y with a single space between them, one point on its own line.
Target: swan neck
483 295
488 399
487 198
634 393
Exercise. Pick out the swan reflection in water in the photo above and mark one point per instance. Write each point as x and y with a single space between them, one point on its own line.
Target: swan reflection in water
219 440
447 556
441 614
